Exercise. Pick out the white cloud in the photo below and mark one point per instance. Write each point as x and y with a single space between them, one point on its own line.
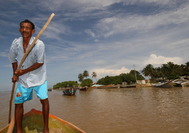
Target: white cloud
159 2
159 60
162 2
90 33
102 72
96 4
79 5
54 29
123 24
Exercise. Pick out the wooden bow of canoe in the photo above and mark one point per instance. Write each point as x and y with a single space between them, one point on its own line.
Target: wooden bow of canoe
33 123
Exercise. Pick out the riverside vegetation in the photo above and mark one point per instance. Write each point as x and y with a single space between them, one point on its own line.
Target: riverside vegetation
167 71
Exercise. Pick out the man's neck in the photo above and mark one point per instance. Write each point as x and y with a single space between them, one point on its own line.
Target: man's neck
26 43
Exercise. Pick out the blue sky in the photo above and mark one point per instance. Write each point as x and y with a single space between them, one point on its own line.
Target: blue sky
108 37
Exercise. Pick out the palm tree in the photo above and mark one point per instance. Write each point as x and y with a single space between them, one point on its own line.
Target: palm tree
148 70
186 69
85 74
80 77
94 75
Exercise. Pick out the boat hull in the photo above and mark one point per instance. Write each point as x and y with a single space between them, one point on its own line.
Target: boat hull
33 123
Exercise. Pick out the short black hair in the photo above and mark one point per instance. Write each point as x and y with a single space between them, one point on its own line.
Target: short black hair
28 21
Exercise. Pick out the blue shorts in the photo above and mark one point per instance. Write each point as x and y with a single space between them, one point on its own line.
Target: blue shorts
26 94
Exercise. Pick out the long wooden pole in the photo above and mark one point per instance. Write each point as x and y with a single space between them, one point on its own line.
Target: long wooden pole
24 57
11 125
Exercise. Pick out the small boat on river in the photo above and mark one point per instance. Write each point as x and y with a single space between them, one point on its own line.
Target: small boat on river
70 91
83 88
33 123
167 84
128 86
108 87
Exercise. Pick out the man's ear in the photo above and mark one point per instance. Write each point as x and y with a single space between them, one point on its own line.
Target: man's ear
33 31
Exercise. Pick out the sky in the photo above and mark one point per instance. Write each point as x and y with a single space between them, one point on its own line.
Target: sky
108 37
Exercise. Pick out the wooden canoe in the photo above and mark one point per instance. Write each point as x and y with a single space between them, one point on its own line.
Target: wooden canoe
33 123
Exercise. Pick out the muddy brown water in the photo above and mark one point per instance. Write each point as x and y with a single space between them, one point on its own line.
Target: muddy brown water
125 110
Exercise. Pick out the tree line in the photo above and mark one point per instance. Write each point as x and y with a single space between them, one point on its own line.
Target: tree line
83 79
129 78
164 72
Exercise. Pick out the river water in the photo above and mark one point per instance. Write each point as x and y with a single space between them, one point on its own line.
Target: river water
125 110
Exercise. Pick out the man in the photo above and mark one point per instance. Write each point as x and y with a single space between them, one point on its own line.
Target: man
31 76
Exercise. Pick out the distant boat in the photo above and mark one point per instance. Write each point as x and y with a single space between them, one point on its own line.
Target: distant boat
69 92
33 123
107 86
96 85
83 88
167 84
50 89
128 86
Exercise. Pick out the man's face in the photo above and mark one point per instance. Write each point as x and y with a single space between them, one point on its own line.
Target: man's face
26 30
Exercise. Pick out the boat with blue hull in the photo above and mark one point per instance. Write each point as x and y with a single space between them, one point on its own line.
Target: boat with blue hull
69 92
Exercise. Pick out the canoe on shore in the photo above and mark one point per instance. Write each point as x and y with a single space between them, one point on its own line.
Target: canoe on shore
33 123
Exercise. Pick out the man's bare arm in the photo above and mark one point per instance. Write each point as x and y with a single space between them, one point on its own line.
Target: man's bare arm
20 72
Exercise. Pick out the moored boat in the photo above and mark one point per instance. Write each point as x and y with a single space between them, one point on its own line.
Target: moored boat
33 123
50 89
180 82
108 87
83 88
168 84
185 84
128 86
69 92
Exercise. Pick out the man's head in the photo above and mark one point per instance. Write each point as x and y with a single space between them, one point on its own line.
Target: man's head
27 21
27 28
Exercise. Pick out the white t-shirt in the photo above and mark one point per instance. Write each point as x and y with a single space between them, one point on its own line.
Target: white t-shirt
36 55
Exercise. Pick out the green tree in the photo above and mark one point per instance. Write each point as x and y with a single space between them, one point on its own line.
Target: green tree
126 77
129 78
56 86
116 80
87 82
186 69
65 84
157 73
105 81
169 70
